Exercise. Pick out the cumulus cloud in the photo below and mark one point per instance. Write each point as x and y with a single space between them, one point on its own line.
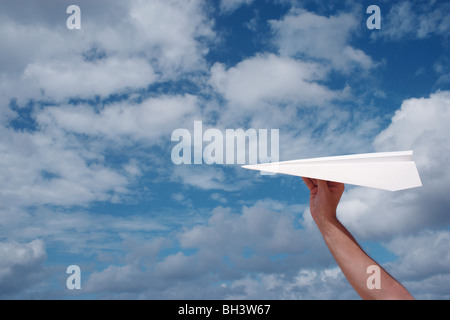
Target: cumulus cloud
423 255
122 279
304 34
270 79
209 178
146 121
263 240
307 284
172 33
149 41
82 79
263 230
38 168
21 265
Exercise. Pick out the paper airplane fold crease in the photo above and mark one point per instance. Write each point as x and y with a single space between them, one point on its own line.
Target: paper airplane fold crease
391 171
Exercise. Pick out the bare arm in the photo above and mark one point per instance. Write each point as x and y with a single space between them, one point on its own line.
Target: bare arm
350 257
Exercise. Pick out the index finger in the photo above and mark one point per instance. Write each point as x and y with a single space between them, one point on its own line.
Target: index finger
309 183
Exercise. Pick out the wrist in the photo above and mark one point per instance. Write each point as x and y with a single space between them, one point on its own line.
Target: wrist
324 222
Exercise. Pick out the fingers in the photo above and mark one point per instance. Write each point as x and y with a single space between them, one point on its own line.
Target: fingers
322 185
336 185
309 183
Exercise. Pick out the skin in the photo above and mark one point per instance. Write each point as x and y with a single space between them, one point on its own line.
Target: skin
351 258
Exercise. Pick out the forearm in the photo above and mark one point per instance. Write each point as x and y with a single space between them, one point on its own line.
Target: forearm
354 262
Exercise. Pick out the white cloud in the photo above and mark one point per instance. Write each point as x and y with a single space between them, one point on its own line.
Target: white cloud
278 85
421 256
122 279
442 69
306 35
149 41
203 177
171 32
228 6
81 79
146 121
21 265
253 240
269 78
419 119
15 254
182 199
307 284
41 168
219 198
422 125
418 20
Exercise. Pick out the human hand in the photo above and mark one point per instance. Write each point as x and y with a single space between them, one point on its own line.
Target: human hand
324 198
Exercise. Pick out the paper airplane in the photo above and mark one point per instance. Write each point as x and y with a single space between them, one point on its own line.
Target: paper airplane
391 171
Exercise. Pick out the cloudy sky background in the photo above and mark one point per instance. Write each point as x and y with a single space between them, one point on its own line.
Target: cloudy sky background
86 118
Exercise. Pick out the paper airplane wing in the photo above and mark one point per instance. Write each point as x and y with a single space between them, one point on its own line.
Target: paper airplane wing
391 171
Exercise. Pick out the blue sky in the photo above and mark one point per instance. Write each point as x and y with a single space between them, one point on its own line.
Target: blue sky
86 118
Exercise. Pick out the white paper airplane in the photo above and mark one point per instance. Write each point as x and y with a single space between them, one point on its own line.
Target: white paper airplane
391 171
